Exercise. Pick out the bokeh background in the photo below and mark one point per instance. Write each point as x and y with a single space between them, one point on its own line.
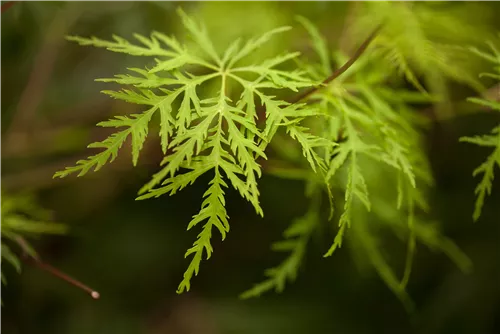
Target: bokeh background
132 251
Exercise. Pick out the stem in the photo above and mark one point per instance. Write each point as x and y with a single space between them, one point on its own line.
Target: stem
340 70
50 269
47 267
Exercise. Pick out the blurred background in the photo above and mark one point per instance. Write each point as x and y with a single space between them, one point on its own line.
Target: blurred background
132 251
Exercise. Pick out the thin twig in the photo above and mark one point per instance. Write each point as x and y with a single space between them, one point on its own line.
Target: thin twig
47 267
27 255
261 112
342 69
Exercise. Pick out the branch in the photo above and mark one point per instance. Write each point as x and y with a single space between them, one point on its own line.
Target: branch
261 112
342 69
34 259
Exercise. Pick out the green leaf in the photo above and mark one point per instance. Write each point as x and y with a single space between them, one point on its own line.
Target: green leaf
487 103
201 134
199 35
492 140
19 224
484 187
10 257
318 43
4 282
214 213
297 237
23 217
255 43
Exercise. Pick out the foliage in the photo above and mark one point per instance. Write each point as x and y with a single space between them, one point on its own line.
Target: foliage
357 134
207 134
421 42
380 145
490 140
23 217
297 237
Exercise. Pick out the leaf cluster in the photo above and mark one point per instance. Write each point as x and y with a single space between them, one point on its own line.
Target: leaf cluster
424 43
23 218
491 140
357 141
379 147
220 133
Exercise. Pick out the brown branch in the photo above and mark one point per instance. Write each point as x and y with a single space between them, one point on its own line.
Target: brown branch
340 70
48 268
261 112
29 258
